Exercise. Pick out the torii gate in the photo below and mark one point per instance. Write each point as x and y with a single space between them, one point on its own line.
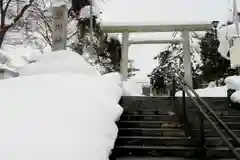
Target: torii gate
184 28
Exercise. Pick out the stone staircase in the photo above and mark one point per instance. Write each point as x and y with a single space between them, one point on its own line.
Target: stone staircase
150 128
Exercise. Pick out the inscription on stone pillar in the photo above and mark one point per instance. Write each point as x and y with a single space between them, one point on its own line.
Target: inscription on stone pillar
59 28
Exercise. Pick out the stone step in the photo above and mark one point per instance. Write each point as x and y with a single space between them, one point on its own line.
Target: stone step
151 158
162 111
169 141
207 125
151 132
149 124
139 117
165 158
194 119
230 118
155 151
217 111
220 152
167 132
154 141
213 133
149 112
174 151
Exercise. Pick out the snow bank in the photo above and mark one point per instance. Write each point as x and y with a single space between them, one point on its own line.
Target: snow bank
208 92
235 97
63 61
129 88
132 89
225 34
233 82
59 3
59 117
19 55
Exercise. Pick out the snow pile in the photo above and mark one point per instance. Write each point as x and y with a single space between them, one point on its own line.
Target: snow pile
233 82
235 97
216 83
208 92
225 35
63 61
19 55
59 117
129 87
132 89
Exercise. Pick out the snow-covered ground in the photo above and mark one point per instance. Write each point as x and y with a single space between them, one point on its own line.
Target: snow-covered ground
232 82
208 92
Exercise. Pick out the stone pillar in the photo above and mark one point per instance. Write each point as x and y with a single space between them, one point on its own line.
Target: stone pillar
124 56
59 28
187 58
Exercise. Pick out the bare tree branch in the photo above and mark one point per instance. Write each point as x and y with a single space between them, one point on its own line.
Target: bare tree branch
19 16
72 35
46 38
1 6
7 5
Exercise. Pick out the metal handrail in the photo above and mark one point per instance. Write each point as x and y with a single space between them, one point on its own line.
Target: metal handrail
228 130
185 89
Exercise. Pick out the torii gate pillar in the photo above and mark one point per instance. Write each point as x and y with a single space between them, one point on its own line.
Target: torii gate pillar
124 56
187 58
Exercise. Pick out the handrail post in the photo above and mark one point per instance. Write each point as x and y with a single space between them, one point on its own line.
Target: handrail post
202 135
173 90
184 104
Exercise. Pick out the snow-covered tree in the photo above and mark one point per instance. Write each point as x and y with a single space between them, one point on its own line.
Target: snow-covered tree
171 60
215 65
12 14
106 52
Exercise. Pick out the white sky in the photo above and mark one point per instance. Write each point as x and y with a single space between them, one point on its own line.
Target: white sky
165 10
172 11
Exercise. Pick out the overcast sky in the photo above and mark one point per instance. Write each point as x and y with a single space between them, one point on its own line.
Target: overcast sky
172 11
166 10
